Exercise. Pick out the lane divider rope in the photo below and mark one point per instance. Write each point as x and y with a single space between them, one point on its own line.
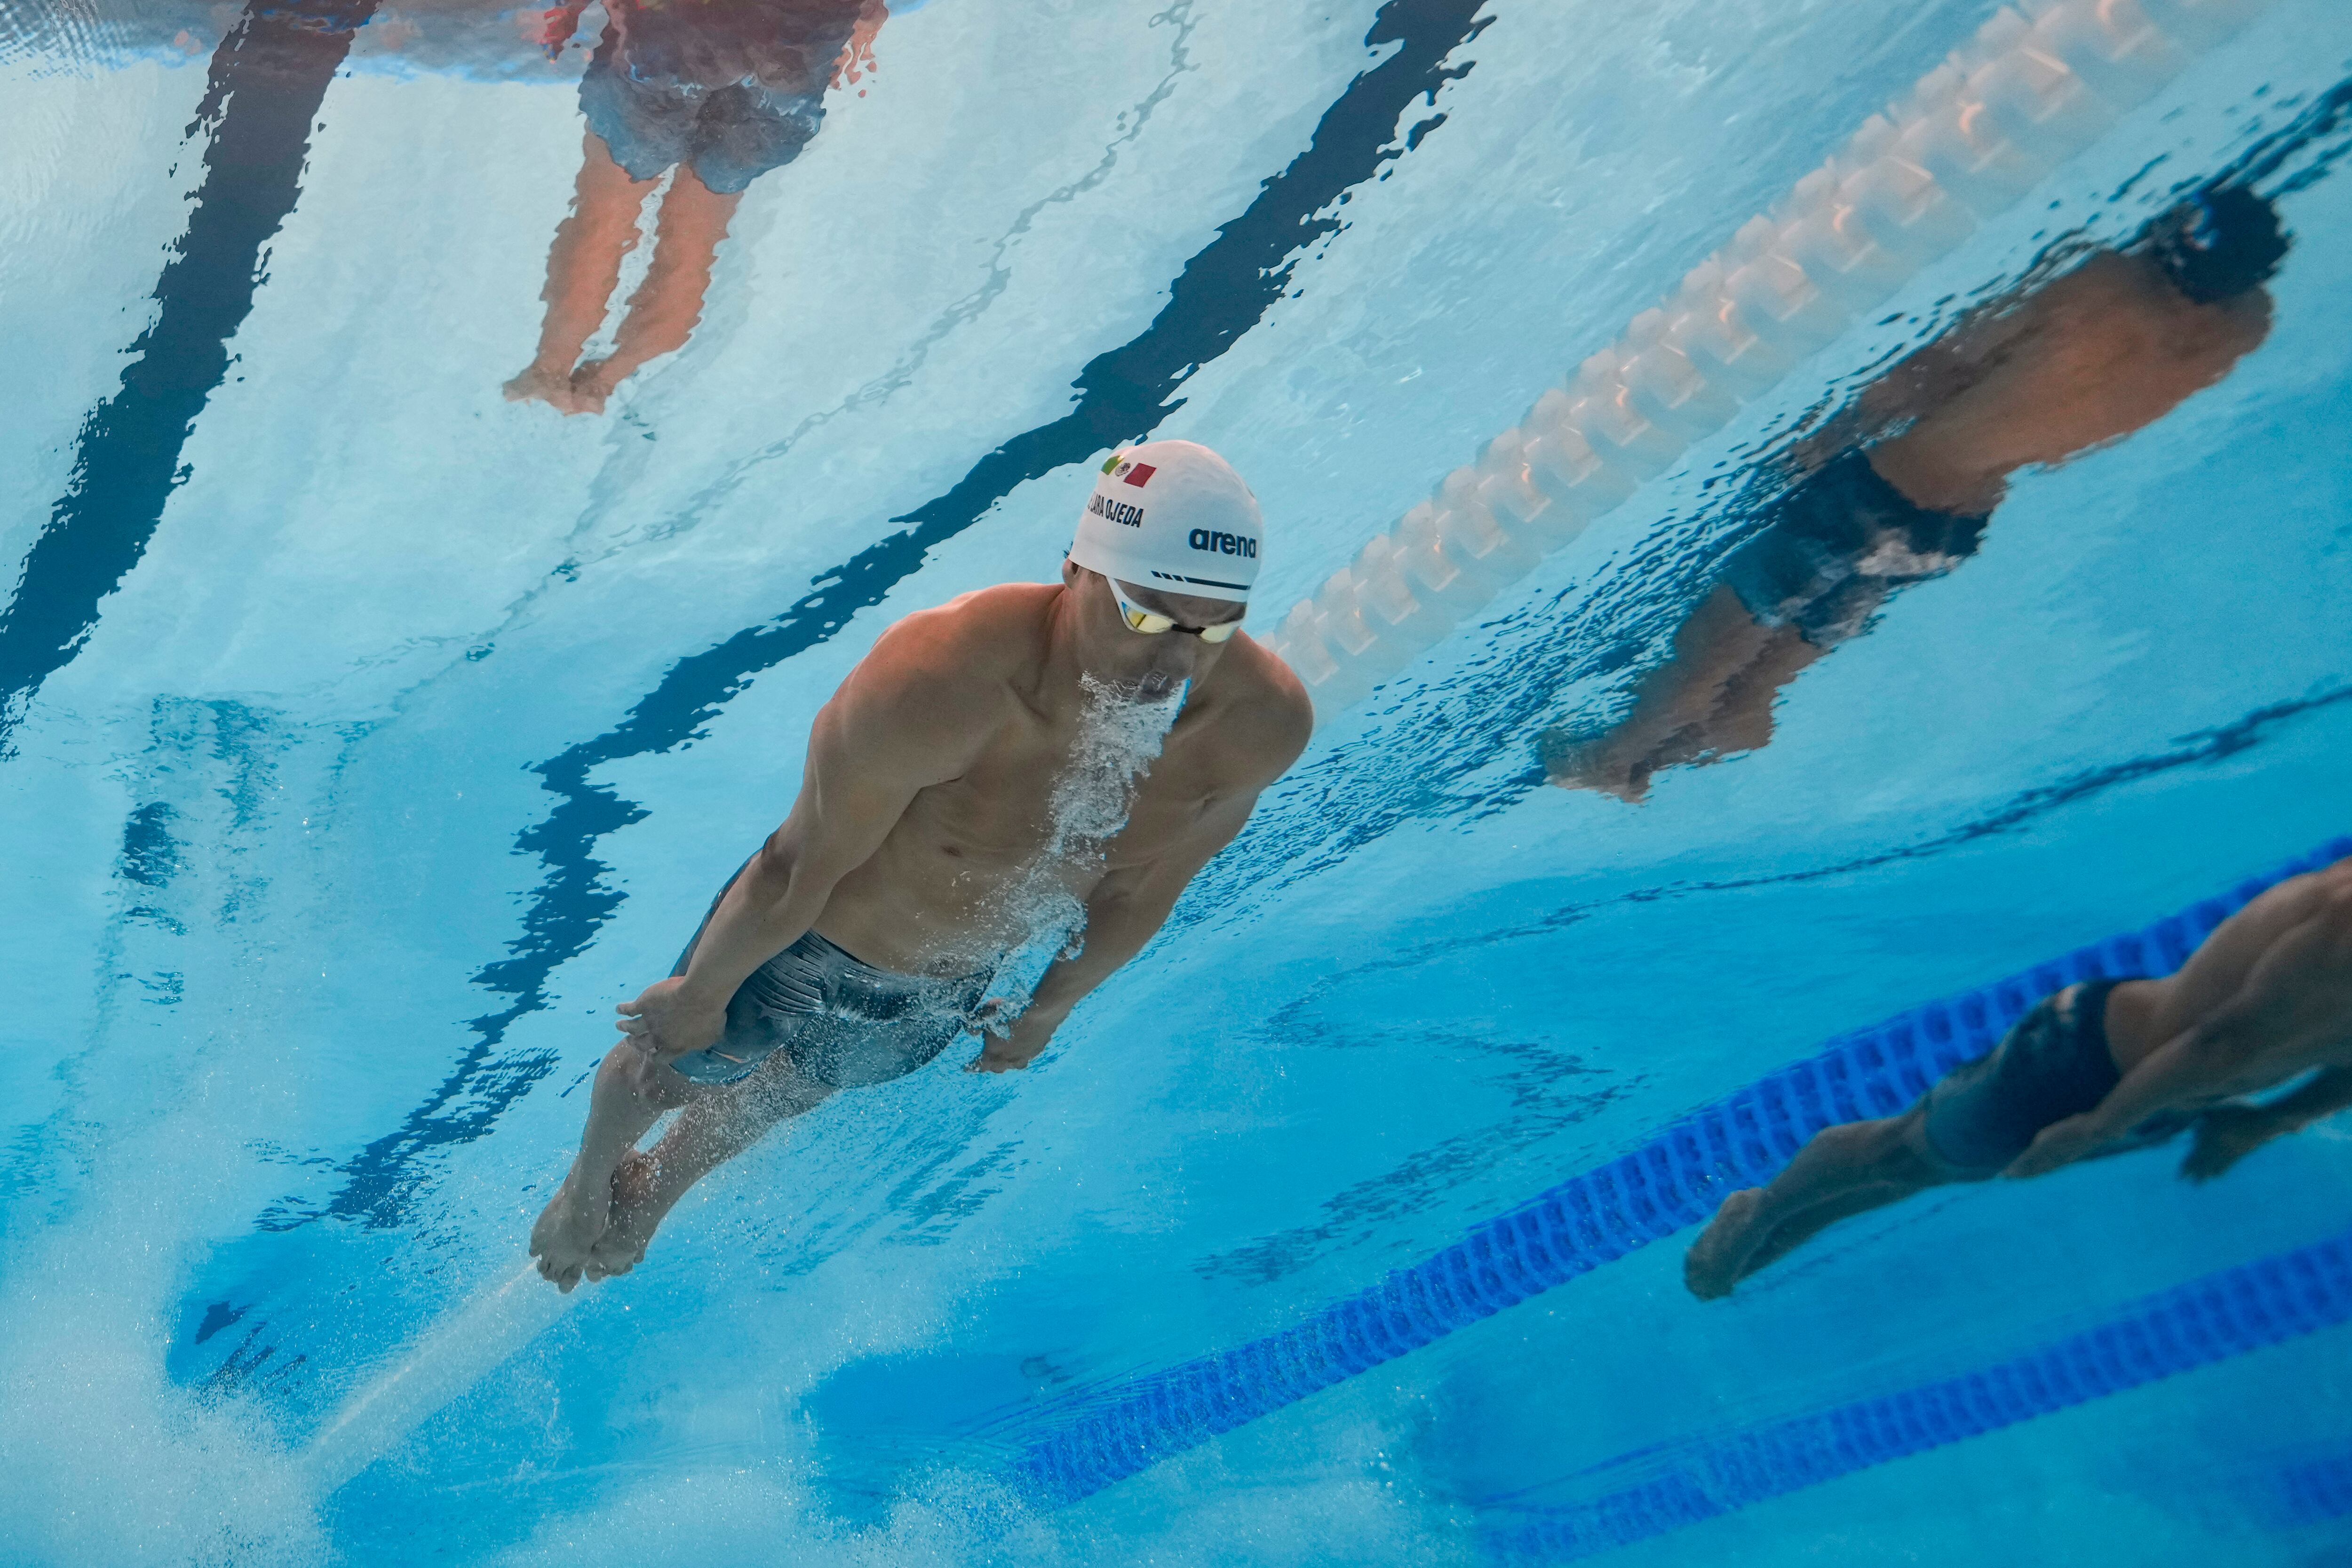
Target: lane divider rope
2031 89
2212 1319
1675 1179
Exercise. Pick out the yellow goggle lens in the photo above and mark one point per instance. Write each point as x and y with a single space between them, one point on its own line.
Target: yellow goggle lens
1152 623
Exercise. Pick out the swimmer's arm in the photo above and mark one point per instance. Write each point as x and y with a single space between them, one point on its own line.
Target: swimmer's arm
2203 1063
1125 911
912 716
2230 1131
2186 1071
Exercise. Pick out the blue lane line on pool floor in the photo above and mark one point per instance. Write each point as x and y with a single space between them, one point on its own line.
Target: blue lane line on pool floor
2212 1319
268 77
1675 1179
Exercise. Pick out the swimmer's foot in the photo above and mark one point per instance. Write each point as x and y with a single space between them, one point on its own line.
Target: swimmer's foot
638 1205
541 384
592 383
568 1230
1721 1256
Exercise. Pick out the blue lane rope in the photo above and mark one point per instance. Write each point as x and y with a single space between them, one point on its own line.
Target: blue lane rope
2206 1320
2312 1492
1675 1179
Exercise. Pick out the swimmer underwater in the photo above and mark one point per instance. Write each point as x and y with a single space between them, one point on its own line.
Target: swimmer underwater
858 942
2097 1069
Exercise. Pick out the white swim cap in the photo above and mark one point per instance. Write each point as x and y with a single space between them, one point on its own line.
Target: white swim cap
1171 516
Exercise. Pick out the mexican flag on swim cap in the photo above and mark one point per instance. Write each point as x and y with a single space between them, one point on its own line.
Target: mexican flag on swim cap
1173 516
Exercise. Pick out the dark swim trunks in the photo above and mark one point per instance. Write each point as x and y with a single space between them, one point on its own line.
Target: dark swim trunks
729 135
2055 1064
1840 542
841 1022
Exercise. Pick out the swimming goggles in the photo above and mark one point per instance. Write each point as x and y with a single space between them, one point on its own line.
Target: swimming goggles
1152 623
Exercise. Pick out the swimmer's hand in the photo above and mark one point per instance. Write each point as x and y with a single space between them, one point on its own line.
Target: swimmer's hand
1012 1045
666 1021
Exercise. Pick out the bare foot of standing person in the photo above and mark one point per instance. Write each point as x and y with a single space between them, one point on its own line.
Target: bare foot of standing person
543 384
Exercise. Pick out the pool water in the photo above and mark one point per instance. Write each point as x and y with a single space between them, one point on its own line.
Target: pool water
366 735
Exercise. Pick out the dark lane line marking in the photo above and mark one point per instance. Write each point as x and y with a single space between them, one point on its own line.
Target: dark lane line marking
268 77
1221 292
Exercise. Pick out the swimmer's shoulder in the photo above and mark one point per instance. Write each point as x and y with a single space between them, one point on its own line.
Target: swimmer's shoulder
1265 714
974 646
994 634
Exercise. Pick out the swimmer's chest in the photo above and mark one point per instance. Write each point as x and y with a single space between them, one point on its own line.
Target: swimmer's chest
999 809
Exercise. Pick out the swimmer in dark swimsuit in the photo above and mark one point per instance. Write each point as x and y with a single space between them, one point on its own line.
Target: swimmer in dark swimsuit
722 91
2098 1068
2092 355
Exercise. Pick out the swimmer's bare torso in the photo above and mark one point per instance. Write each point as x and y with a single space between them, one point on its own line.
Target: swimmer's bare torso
940 894
925 804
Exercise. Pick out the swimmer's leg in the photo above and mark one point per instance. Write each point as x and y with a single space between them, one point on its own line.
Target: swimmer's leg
1844 1171
1672 703
1742 718
705 1135
631 1094
583 266
664 310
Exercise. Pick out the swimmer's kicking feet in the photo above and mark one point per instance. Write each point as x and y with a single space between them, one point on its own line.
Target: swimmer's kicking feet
2095 1069
859 941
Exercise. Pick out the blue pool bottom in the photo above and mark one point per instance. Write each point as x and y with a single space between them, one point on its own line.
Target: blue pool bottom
1675 1179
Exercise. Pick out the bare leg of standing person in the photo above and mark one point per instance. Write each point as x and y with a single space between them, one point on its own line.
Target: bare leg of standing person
665 309
583 266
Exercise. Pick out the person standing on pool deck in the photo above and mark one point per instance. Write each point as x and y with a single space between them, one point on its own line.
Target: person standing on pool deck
721 91
2095 1069
859 941
2091 356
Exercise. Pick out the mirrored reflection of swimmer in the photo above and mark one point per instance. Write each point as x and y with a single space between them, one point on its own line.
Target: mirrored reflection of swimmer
2092 355
722 91
2097 1069
1005 764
